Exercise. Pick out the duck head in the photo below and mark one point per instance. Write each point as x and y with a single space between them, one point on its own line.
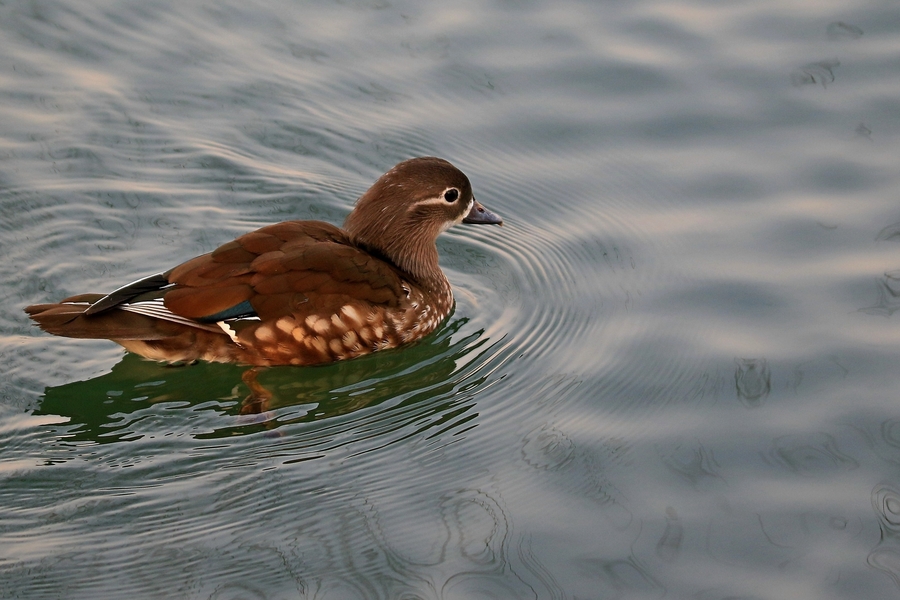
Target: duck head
402 214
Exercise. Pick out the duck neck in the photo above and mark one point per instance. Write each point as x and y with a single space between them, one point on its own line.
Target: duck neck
419 263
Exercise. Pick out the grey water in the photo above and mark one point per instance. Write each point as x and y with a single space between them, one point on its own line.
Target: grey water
673 373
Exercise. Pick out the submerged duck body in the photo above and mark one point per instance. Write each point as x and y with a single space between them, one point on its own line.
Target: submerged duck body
298 292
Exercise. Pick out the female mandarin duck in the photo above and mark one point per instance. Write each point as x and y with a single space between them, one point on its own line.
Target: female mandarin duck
299 292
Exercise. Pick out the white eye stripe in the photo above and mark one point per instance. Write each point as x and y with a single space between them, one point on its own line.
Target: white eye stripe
429 201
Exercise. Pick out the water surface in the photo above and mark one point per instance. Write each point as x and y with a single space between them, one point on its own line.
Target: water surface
673 373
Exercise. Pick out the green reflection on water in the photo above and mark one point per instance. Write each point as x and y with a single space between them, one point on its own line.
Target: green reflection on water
105 409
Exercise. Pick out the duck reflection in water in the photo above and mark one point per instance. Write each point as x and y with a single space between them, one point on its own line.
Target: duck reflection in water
108 408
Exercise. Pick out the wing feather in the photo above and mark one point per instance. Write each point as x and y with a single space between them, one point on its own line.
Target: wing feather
201 302
293 268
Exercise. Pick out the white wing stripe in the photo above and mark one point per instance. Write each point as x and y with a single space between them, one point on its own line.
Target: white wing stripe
157 310
227 329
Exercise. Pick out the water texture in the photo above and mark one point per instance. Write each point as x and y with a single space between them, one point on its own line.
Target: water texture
672 373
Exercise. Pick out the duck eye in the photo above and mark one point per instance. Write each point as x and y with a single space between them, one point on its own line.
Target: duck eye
451 195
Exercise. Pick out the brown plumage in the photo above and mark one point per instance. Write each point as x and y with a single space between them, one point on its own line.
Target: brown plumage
299 292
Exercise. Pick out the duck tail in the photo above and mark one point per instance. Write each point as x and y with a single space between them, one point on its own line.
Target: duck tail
68 319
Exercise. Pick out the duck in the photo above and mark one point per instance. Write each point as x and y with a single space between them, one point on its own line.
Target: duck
296 292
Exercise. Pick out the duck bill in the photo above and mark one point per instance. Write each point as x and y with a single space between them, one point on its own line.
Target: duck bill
479 215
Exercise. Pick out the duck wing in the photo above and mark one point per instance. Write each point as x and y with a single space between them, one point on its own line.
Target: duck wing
291 268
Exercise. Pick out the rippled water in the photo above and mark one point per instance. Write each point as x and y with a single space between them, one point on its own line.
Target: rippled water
673 373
